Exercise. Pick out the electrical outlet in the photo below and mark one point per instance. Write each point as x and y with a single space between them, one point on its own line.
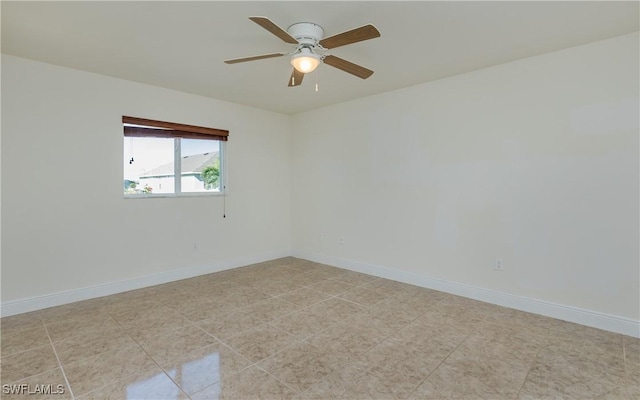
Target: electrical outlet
341 240
498 265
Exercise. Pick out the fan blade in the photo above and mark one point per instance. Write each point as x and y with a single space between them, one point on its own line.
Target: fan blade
296 78
239 60
353 36
267 24
346 66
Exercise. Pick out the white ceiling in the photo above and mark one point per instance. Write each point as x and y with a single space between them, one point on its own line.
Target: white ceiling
182 45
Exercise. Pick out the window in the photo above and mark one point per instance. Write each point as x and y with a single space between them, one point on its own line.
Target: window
156 152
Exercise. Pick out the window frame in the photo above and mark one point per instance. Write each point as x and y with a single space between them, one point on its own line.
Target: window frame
169 130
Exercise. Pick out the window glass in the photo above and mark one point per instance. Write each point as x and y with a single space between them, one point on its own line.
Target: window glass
200 165
148 165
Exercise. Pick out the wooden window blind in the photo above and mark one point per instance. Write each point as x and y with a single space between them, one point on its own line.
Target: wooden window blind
152 128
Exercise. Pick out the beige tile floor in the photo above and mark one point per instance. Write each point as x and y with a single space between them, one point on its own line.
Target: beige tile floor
291 328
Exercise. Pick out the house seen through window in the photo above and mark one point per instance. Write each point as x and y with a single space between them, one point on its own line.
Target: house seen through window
154 157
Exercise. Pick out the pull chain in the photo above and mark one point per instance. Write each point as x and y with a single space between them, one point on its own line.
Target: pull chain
131 150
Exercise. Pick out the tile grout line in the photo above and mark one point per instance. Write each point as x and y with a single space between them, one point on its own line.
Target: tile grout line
64 374
223 343
276 378
388 338
100 387
150 357
21 351
625 363
298 341
251 363
441 362
533 363
351 362
372 348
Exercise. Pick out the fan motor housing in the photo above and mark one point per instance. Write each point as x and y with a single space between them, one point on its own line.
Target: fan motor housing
306 33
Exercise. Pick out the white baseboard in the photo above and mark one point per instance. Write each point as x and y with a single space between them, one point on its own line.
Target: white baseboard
612 323
105 289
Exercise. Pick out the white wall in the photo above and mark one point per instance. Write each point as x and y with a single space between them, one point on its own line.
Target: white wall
63 126
534 161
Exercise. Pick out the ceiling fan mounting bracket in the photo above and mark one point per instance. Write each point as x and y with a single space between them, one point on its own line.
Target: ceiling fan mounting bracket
306 33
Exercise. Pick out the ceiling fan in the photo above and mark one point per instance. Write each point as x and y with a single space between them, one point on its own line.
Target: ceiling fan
310 46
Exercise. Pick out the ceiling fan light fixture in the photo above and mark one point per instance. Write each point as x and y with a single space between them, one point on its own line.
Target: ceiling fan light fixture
305 61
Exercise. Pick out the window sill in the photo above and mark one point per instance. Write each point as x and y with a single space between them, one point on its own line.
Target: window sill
172 195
